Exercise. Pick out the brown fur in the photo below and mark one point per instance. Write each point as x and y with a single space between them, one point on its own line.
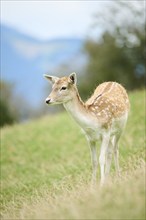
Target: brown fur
110 100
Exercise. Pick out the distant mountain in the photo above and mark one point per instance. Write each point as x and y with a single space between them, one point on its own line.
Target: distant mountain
25 59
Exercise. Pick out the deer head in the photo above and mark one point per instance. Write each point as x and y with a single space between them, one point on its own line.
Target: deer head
63 89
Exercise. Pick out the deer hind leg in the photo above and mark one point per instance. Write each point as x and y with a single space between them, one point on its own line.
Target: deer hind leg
109 155
92 145
116 154
116 144
102 157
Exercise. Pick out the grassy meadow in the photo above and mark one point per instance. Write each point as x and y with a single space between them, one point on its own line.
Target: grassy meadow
46 171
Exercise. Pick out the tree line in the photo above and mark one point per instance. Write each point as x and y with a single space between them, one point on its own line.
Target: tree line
120 51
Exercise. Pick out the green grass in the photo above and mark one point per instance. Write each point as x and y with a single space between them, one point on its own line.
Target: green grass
46 170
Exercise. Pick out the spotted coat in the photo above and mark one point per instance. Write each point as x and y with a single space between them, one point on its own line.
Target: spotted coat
109 101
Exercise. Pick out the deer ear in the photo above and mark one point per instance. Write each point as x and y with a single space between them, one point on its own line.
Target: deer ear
52 79
73 78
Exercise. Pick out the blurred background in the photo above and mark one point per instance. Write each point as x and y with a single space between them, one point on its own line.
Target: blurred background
99 40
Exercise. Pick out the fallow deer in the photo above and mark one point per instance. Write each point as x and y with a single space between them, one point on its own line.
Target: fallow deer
103 116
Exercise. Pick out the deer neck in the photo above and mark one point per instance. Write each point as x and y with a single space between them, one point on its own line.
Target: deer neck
77 108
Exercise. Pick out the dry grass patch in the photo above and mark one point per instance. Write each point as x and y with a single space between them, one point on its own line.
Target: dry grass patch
120 199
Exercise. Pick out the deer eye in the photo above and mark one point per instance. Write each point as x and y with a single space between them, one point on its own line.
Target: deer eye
63 88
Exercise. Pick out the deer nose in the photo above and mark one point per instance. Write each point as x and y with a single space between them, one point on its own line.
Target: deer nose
48 100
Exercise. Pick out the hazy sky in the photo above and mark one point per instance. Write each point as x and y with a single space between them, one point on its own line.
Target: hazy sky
50 19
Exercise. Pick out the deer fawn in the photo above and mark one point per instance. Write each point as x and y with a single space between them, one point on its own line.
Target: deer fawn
103 116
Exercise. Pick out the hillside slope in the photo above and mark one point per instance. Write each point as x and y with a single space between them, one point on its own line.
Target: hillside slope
46 170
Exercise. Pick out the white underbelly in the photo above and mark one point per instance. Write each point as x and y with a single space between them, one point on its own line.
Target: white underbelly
96 130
